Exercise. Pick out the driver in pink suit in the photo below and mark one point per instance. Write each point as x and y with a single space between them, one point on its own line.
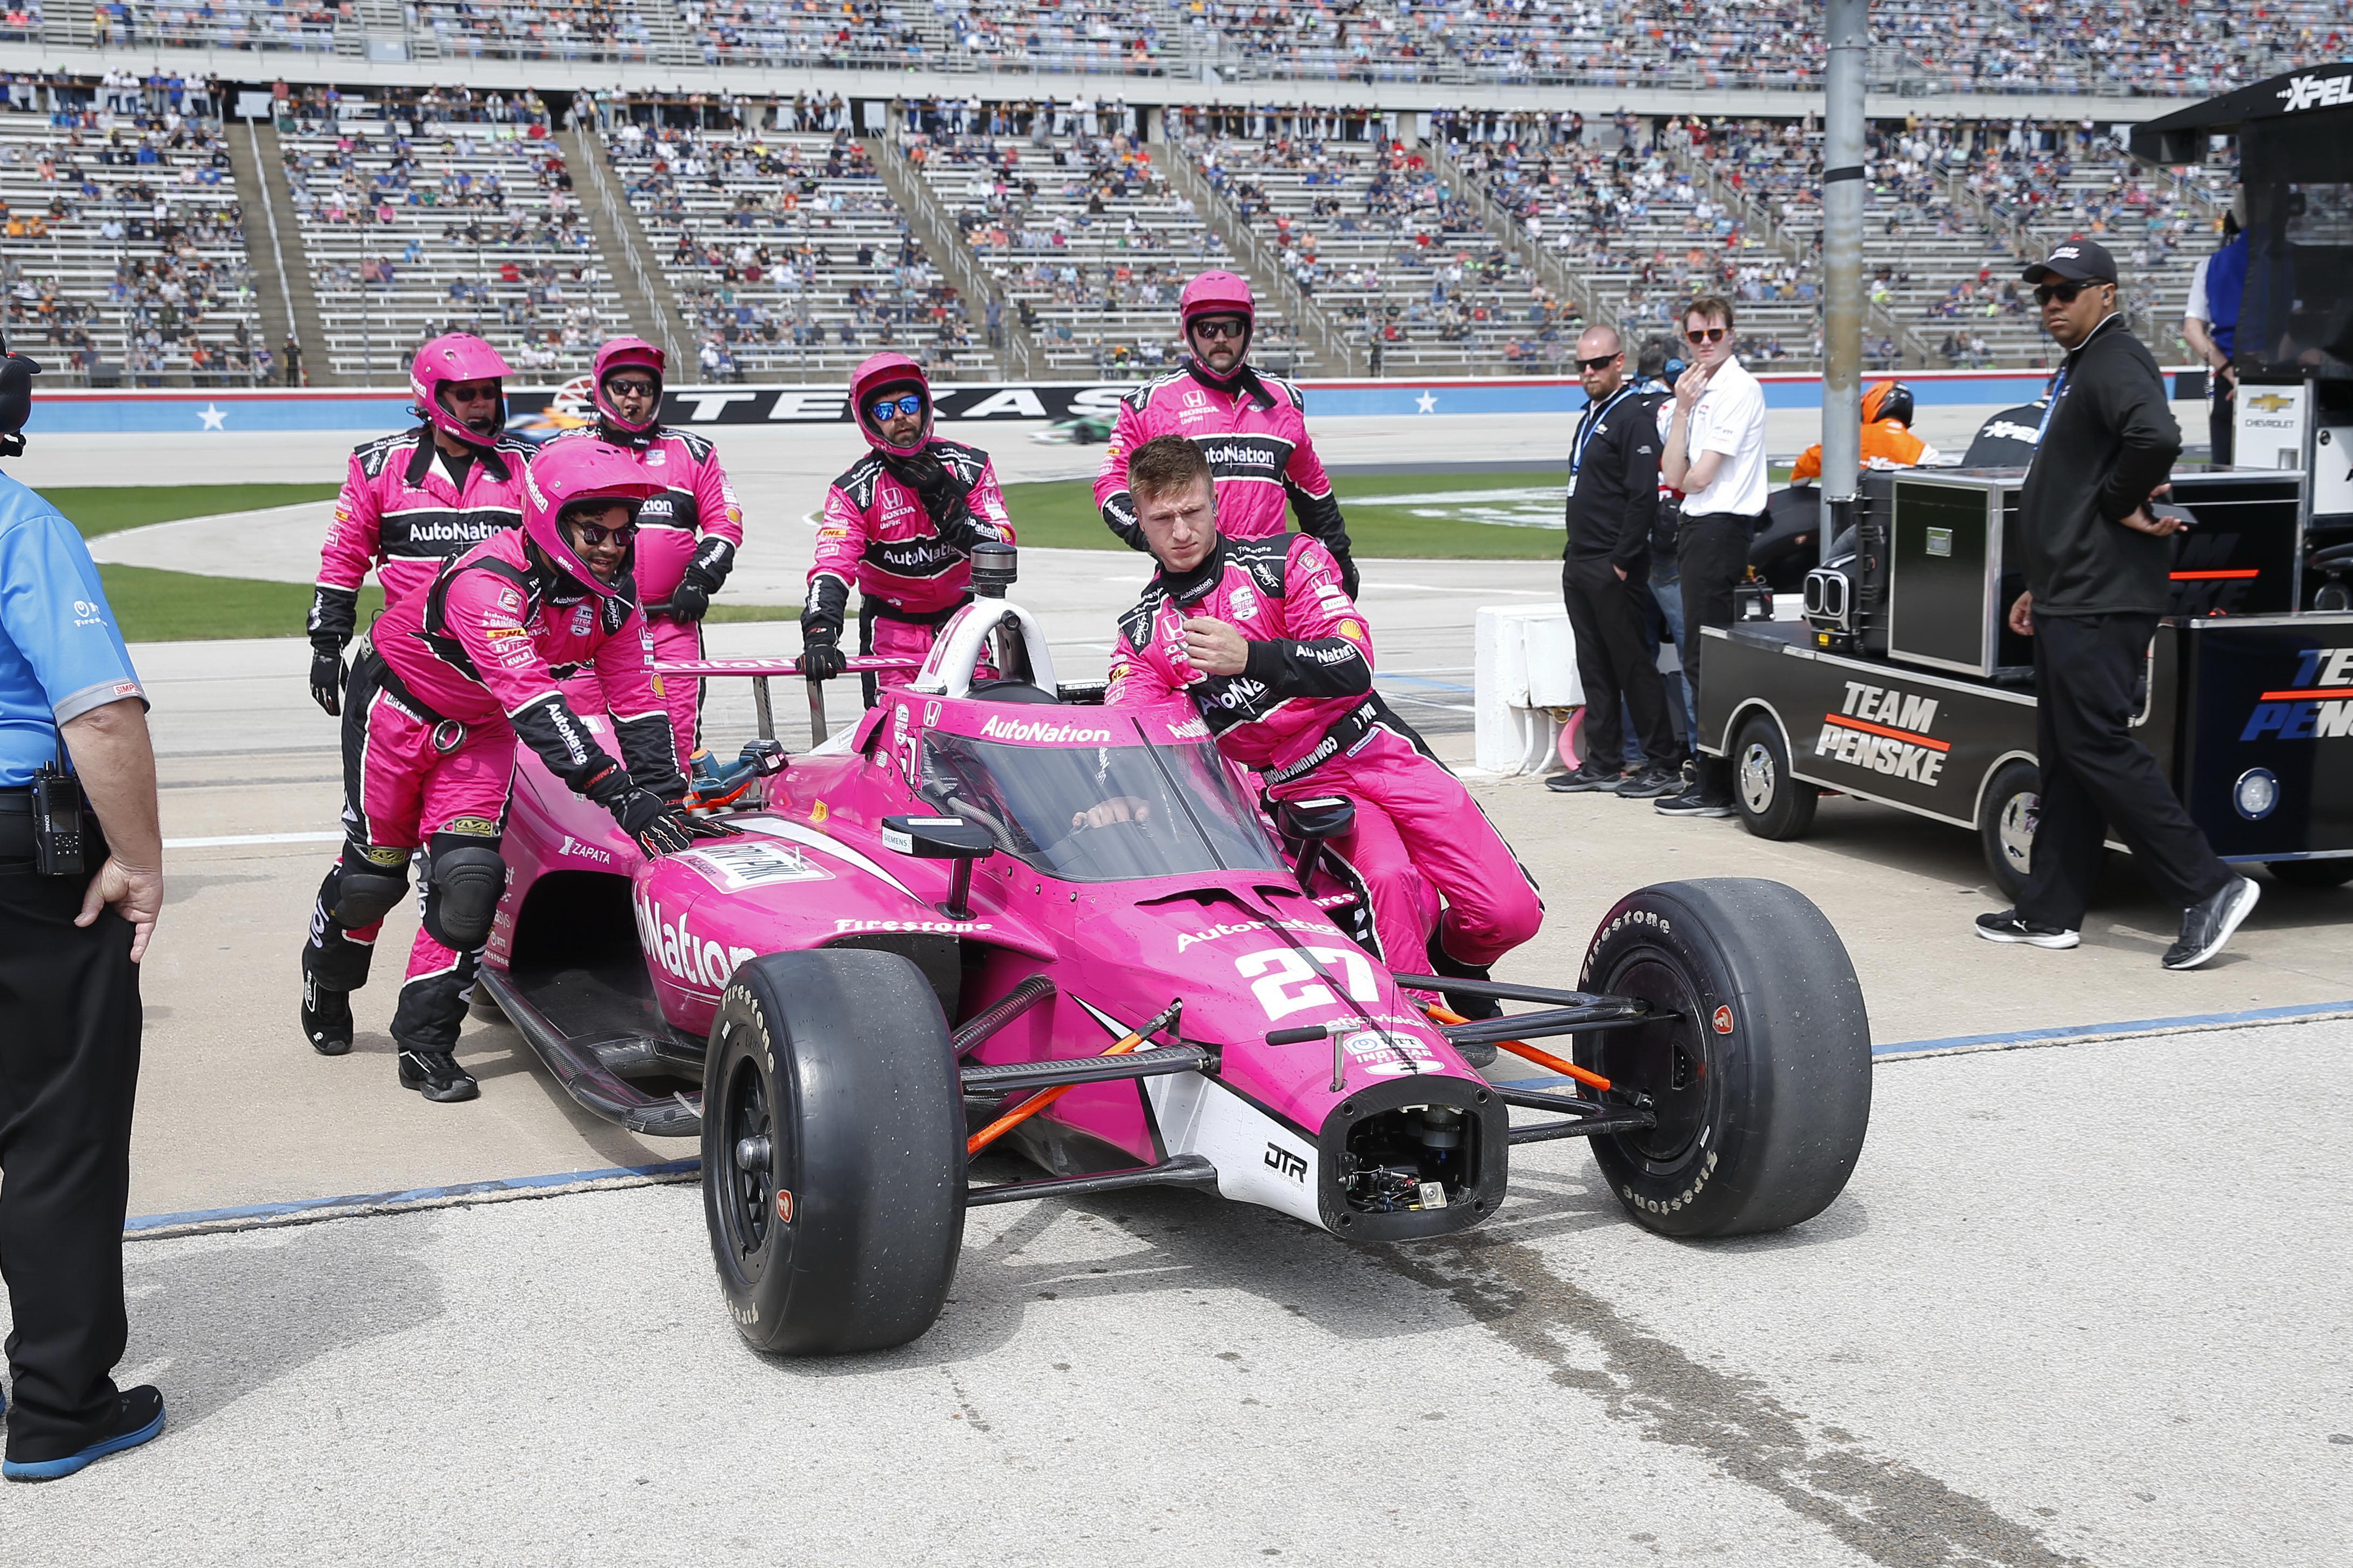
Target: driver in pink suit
899 526
1253 428
1263 638
414 499
455 675
690 529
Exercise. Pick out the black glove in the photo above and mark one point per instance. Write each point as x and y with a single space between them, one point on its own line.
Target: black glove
328 675
690 600
1347 574
945 499
658 825
821 655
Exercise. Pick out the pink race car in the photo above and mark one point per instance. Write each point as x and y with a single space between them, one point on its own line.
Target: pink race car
996 916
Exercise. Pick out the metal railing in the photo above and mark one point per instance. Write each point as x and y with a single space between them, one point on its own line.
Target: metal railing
1266 261
1017 357
592 145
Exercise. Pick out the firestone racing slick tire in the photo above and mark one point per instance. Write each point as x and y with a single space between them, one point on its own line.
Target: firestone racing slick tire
2006 818
833 1168
1761 1082
1771 804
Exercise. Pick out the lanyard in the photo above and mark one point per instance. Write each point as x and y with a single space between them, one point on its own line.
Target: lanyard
1593 418
2058 389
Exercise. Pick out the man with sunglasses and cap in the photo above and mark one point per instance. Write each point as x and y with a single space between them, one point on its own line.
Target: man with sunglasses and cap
900 527
1253 426
1714 454
688 531
1613 489
2099 560
412 499
455 676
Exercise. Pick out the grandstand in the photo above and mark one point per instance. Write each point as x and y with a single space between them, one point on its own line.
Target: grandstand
1046 235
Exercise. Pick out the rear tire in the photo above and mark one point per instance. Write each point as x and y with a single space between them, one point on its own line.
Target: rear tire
1761 1084
2312 874
833 1168
1772 804
2006 820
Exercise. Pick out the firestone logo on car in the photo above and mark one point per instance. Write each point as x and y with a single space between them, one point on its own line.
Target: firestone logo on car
684 954
922 928
1035 729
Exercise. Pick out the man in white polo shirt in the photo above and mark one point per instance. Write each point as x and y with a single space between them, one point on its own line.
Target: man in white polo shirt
1714 454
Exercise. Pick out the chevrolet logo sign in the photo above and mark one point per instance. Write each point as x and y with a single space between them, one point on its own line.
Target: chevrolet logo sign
2270 402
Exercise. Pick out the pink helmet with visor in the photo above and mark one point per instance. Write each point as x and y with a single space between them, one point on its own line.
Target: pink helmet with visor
866 384
564 473
629 354
1217 293
447 360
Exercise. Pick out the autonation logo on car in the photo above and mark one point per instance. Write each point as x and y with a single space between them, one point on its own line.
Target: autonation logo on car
1045 731
683 954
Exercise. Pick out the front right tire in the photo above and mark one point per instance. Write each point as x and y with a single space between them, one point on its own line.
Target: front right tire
833 1167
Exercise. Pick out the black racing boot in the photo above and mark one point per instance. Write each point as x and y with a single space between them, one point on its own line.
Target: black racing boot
1470 1006
326 1017
436 1076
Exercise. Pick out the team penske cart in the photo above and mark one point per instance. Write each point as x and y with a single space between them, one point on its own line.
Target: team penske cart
915 981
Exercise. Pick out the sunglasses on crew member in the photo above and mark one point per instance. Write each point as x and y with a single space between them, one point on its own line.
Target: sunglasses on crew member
1215 329
889 407
2064 293
632 387
590 537
1600 362
1706 334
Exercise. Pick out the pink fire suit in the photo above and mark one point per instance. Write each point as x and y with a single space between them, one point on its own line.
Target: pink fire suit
1303 714
689 531
457 673
399 515
1260 458
911 573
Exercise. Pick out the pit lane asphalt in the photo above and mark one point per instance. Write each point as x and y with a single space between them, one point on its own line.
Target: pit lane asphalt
2078 1305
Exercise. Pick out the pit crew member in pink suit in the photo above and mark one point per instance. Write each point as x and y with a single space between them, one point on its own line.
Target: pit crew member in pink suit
413 500
455 675
688 532
1253 426
1263 638
900 527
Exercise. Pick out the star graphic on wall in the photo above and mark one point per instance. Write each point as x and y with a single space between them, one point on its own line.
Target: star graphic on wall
1426 404
212 413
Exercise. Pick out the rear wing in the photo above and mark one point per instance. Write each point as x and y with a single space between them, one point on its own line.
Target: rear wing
760 671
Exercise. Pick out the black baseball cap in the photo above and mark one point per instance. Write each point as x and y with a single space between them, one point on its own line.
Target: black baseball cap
2075 259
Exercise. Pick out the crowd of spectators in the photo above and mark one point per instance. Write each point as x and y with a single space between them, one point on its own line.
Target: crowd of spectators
546 30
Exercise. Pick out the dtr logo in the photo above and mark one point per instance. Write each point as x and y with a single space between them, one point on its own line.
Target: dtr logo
2319 706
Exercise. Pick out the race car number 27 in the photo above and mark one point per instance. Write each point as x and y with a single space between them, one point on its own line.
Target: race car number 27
1283 983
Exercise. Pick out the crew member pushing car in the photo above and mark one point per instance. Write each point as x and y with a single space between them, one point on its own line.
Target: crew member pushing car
1262 637
456 674
414 499
688 531
1253 426
899 526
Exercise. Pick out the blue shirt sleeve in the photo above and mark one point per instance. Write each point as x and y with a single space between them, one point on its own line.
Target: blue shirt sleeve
54 609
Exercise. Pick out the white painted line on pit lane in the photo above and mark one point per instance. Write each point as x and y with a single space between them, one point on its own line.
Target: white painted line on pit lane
235 839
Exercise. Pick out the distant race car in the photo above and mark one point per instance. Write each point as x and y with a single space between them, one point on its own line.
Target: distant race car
1084 430
915 949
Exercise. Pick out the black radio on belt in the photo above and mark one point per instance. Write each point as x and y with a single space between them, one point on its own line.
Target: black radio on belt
58 818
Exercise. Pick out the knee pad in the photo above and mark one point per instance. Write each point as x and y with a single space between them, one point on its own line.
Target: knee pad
462 892
366 893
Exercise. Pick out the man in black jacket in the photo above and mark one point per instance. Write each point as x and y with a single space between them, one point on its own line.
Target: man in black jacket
2097 576
1614 482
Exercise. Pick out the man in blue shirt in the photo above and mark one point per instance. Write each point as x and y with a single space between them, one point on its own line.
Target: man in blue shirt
71 935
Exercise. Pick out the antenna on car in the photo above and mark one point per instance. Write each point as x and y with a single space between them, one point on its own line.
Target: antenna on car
994 567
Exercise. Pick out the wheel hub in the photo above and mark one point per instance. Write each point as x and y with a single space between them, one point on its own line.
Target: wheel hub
1667 1061
1756 780
750 1198
2016 833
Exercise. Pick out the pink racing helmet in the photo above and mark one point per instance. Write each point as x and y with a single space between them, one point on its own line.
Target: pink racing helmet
1218 294
868 381
618 354
450 358
564 473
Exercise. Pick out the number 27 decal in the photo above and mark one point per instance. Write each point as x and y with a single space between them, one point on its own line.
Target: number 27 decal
1284 984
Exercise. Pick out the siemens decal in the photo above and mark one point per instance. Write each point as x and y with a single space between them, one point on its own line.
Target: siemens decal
1885 731
684 954
2317 705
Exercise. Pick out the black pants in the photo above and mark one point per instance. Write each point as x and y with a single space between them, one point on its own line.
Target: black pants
68 1072
2096 775
1616 660
2222 423
1711 557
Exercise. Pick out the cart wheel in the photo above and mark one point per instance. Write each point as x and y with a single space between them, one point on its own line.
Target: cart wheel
1772 803
2006 818
1761 1076
833 1171
2312 874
